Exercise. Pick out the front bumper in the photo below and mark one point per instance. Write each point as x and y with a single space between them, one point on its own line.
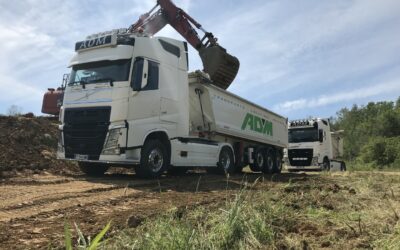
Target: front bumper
131 157
313 166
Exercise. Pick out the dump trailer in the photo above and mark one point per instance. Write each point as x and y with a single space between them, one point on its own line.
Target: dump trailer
312 145
131 102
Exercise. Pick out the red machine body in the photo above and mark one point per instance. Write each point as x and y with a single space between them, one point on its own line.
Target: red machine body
53 98
52 101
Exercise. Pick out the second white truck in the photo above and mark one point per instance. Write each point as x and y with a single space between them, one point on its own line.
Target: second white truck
312 145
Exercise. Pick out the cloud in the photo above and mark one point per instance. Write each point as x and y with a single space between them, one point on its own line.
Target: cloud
289 51
354 95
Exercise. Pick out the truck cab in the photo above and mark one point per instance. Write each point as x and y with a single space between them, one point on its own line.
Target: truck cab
121 89
312 145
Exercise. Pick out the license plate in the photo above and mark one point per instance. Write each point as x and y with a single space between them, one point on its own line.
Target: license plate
81 157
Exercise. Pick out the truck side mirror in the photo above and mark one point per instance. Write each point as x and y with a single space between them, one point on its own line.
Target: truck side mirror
321 135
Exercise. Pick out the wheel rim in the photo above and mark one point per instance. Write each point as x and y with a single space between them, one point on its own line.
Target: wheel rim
155 160
225 160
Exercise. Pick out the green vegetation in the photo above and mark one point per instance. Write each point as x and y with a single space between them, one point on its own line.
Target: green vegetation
83 243
349 211
371 134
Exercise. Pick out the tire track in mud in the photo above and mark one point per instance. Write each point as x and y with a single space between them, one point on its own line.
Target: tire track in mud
32 213
25 200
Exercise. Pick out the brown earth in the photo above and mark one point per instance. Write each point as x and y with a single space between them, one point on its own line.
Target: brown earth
28 146
39 195
34 209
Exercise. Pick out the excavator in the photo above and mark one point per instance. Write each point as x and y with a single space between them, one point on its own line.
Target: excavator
218 64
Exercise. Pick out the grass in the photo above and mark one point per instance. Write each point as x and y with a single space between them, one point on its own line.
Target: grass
358 165
240 224
83 243
333 210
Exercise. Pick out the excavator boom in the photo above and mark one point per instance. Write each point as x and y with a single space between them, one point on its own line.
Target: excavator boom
217 62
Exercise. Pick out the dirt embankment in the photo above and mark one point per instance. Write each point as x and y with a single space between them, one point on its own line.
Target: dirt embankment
28 145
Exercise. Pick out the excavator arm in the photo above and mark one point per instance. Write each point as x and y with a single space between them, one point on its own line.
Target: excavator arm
221 66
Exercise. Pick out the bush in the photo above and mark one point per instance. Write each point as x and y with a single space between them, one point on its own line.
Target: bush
382 151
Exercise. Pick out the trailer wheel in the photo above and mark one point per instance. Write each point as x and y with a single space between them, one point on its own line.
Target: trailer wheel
153 160
226 162
259 160
93 169
278 164
270 161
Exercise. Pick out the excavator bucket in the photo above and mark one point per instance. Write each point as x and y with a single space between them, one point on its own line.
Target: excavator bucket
221 66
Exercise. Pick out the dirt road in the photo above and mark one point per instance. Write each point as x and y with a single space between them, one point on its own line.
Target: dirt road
33 210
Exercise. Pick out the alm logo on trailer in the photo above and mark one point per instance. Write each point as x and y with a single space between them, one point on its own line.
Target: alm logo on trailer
257 124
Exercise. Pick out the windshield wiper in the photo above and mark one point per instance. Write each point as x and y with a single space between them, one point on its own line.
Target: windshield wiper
104 79
81 82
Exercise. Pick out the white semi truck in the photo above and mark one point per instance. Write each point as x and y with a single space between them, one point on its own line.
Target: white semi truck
312 145
131 102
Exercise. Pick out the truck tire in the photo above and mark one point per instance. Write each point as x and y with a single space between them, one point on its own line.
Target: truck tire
278 164
259 160
326 165
343 166
153 161
270 161
93 169
226 162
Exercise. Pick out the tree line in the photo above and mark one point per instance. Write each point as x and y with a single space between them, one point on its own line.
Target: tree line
371 133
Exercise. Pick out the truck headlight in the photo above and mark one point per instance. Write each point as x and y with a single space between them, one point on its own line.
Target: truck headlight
314 161
111 146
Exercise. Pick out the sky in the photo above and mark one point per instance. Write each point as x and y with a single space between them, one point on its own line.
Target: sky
298 58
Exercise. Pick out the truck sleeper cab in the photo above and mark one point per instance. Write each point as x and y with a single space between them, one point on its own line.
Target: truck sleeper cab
130 102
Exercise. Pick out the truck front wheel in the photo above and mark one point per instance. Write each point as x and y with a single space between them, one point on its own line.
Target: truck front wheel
326 165
226 163
153 160
93 169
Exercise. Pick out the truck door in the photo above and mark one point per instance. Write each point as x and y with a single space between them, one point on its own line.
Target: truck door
144 99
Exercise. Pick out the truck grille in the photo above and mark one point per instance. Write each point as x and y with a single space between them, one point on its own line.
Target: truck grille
300 157
85 130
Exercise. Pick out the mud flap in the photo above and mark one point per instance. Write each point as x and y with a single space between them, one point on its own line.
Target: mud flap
221 66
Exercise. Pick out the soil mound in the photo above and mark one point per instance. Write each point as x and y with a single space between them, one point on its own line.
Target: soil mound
29 144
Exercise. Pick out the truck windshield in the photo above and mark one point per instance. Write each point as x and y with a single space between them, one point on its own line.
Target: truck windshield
93 72
303 135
